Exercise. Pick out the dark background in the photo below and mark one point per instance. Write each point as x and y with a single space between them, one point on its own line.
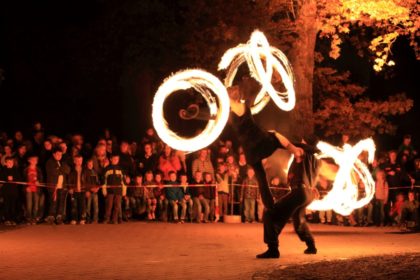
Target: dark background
81 66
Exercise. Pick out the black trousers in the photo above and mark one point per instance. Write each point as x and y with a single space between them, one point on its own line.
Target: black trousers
292 205
10 196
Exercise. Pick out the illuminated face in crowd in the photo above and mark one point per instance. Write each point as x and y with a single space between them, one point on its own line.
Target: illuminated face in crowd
9 163
172 177
250 173
148 149
183 179
168 150
78 161
208 178
89 164
411 196
149 176
58 155
115 160
198 176
33 160
124 147
158 178
139 180
392 157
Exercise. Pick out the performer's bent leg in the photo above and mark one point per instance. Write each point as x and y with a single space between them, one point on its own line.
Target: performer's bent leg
276 218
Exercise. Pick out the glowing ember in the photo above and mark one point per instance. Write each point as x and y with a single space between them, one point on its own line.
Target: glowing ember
202 82
253 52
344 196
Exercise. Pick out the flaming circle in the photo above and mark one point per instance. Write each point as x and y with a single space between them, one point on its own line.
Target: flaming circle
216 96
344 196
252 53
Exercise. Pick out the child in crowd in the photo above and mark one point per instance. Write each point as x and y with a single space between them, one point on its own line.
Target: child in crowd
77 190
249 195
210 194
113 189
175 197
187 196
381 196
137 197
162 202
150 196
33 175
91 180
10 174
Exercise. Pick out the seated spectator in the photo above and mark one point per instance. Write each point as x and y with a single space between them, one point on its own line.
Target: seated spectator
162 202
187 196
396 209
200 202
410 212
151 200
175 197
138 201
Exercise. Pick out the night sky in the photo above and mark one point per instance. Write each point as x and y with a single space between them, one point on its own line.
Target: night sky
81 66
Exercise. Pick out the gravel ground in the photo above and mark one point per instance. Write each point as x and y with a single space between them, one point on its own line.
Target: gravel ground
406 266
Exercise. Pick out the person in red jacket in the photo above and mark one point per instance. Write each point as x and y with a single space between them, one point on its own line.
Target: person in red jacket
168 161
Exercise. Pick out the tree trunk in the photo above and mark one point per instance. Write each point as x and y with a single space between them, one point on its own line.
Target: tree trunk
302 58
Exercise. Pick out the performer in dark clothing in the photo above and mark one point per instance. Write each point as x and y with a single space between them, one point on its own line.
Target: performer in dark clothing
259 144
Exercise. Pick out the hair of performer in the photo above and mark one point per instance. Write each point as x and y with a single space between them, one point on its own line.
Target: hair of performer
259 144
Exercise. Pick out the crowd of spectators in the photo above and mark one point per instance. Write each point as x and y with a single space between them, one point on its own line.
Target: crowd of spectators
48 179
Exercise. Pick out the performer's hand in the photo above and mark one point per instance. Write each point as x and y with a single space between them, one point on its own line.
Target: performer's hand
297 152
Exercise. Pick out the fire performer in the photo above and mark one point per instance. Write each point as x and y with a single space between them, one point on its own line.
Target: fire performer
259 144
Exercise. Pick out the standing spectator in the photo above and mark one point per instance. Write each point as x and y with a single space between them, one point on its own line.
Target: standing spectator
175 197
243 167
210 194
114 189
148 160
77 188
57 172
33 175
168 161
222 178
200 202
203 164
8 153
10 174
249 195
323 187
126 160
381 197
100 160
407 147
92 182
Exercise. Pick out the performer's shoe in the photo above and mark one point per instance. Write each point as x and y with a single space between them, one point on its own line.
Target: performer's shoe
271 253
311 250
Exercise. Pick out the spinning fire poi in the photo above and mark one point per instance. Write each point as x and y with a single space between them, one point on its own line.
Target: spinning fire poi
258 144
